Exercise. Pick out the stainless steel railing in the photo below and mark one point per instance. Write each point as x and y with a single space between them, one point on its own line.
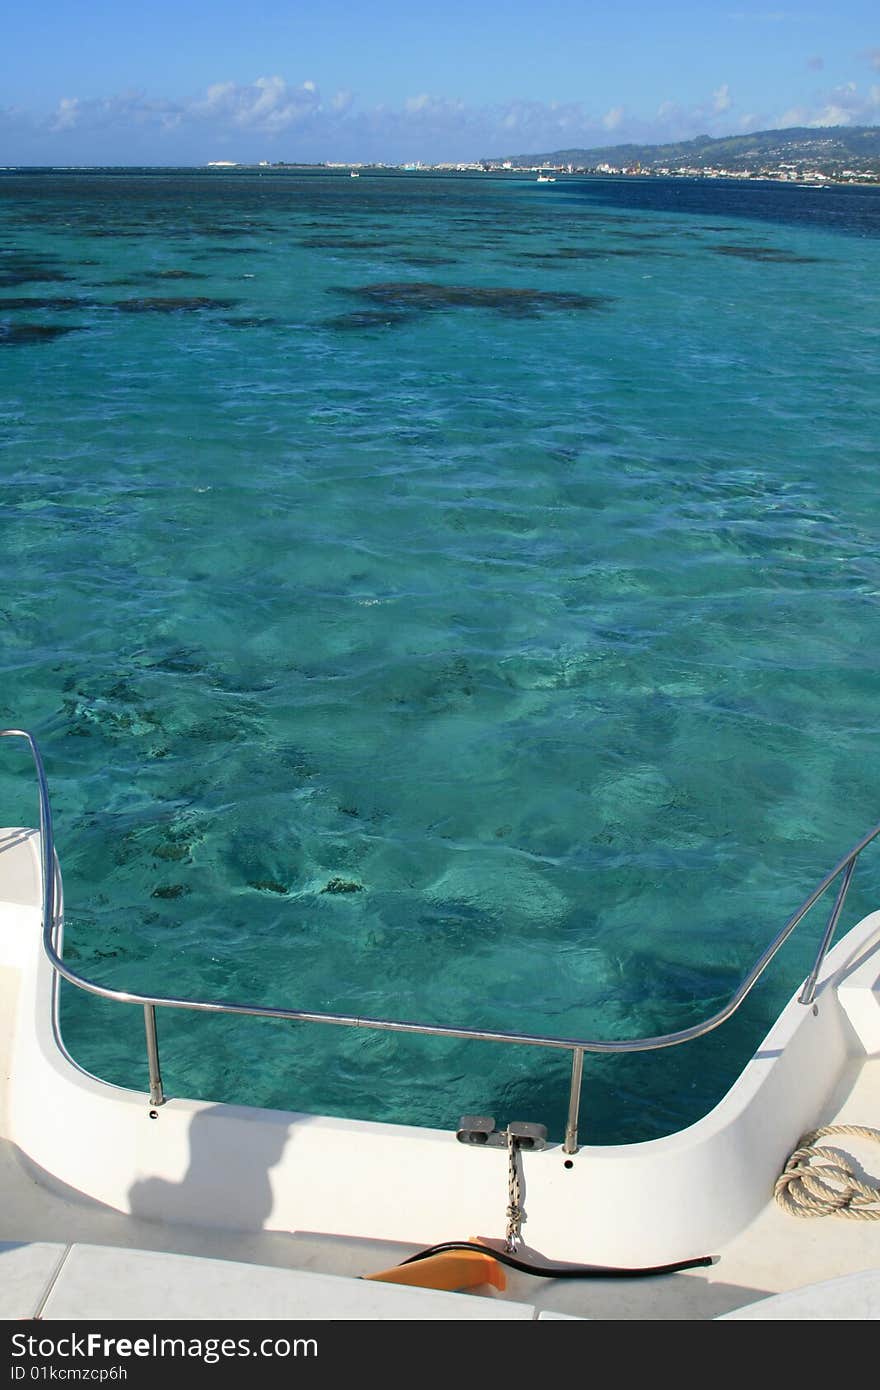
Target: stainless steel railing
576 1046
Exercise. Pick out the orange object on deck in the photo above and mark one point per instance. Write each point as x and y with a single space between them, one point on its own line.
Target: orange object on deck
452 1269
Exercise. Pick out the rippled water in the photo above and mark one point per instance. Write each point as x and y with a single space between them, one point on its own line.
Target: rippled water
440 598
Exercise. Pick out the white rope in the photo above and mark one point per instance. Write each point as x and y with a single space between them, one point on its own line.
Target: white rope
823 1182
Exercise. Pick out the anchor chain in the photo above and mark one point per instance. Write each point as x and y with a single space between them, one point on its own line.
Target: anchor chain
515 1213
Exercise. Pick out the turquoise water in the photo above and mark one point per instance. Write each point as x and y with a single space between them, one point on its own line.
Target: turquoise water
505 555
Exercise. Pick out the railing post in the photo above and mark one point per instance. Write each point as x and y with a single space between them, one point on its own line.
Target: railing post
574 1101
157 1096
809 989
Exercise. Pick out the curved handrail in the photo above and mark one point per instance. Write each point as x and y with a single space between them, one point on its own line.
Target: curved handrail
642 1044
575 1045
645 1044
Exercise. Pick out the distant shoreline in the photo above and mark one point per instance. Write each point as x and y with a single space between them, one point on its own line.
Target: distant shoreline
809 179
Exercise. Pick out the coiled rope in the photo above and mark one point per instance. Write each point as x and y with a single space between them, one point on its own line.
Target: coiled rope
823 1182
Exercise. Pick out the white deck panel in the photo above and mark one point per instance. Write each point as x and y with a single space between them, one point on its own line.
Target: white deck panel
850 1298
26 1273
108 1283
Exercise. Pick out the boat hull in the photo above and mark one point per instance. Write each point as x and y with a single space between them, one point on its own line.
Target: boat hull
237 1168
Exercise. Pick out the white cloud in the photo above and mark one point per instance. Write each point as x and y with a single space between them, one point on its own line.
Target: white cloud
128 108
67 114
273 117
536 124
843 105
268 105
672 121
831 115
215 97
425 107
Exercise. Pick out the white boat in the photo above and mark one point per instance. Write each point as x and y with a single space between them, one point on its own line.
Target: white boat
353 174
135 1204
545 178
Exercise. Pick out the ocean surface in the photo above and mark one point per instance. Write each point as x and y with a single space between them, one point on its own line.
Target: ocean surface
448 598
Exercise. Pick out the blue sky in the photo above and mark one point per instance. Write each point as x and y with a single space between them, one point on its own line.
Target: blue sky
90 81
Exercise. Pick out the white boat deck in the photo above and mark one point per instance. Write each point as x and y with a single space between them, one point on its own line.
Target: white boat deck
63 1257
139 1226
77 1283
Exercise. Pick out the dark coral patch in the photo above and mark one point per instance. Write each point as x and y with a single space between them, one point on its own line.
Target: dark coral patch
426 297
773 254
250 321
170 890
22 261
172 306
22 334
173 851
180 661
44 302
173 275
348 243
269 885
369 318
568 253
581 253
645 236
229 251
342 885
216 230
142 275
22 273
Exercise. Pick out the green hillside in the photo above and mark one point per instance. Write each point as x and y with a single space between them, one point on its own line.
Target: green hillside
829 148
